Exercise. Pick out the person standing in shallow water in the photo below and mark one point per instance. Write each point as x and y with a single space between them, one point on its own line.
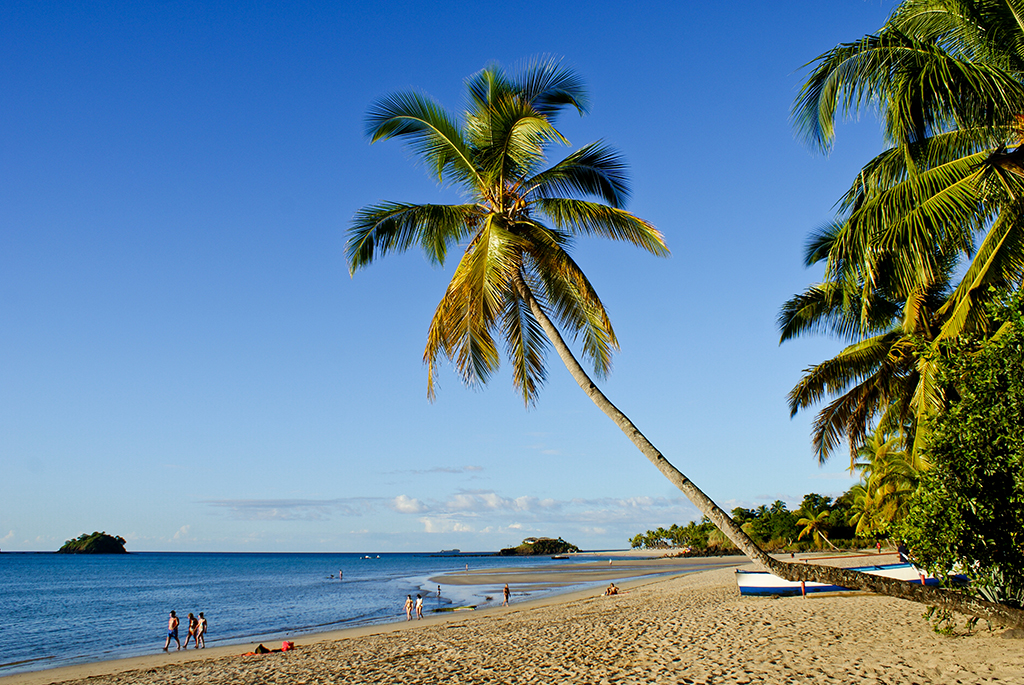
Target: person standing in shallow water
172 631
408 607
507 593
419 606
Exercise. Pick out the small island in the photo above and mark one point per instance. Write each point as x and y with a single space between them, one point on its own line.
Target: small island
97 543
539 546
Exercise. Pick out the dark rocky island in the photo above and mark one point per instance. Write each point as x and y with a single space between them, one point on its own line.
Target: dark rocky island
539 546
97 543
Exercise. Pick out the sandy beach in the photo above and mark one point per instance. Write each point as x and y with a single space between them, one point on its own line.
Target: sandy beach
694 628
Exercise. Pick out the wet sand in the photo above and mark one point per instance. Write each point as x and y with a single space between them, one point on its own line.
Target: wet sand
690 629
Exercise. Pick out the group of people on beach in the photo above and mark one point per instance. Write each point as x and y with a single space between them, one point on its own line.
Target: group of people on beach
418 605
196 629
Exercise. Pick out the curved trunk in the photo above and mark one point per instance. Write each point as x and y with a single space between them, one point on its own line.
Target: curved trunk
990 611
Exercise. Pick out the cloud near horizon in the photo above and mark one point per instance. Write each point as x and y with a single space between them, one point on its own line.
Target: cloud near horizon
475 511
294 509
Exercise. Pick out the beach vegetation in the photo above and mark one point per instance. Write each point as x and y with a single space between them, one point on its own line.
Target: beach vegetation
929 236
515 282
930 230
773 527
967 516
96 543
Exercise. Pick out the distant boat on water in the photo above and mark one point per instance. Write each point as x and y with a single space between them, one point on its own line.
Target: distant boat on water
764 583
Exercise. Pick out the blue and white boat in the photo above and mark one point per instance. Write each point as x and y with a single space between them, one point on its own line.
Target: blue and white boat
764 583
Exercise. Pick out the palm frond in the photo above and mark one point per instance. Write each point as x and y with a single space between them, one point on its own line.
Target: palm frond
550 87
396 226
431 132
510 143
526 345
998 262
465 320
920 88
595 169
853 364
580 217
571 298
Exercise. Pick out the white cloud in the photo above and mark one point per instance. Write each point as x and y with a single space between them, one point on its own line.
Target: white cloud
8 538
182 533
408 505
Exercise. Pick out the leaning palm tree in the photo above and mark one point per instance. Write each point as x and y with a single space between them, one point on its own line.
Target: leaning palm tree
814 527
515 276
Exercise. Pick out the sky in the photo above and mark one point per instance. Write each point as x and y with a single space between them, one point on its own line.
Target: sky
186 362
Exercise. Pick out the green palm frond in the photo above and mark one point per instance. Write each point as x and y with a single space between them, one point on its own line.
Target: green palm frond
920 88
511 260
594 169
526 347
580 217
431 132
510 143
485 87
549 86
395 227
822 308
896 164
571 298
998 263
853 364
820 243
464 322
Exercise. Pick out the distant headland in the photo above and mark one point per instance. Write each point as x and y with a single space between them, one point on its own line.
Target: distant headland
539 546
97 543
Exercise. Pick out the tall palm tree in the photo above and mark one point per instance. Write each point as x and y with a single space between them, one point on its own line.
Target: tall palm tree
515 274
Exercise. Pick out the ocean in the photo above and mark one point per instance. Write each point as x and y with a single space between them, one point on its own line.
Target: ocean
64 609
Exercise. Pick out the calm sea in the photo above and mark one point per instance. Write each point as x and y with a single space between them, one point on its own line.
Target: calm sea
62 609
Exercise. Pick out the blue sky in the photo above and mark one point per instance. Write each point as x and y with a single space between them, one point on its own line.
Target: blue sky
185 361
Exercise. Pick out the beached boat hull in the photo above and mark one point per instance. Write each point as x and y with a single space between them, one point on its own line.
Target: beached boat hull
764 583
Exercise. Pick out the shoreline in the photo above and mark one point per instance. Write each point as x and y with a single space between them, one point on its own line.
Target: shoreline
591 570
677 627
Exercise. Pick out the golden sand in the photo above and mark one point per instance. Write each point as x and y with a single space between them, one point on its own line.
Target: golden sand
690 629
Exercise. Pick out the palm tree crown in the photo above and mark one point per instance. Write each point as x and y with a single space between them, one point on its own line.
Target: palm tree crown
517 224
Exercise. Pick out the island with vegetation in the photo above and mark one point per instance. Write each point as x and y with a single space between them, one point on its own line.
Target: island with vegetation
97 543
539 546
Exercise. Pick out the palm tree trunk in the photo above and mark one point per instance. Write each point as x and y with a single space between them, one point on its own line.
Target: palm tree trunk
855 580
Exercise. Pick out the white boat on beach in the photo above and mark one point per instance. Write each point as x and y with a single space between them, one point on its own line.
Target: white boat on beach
764 583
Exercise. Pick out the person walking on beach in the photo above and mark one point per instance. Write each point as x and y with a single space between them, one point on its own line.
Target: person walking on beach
192 625
507 593
408 607
419 606
201 631
172 631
